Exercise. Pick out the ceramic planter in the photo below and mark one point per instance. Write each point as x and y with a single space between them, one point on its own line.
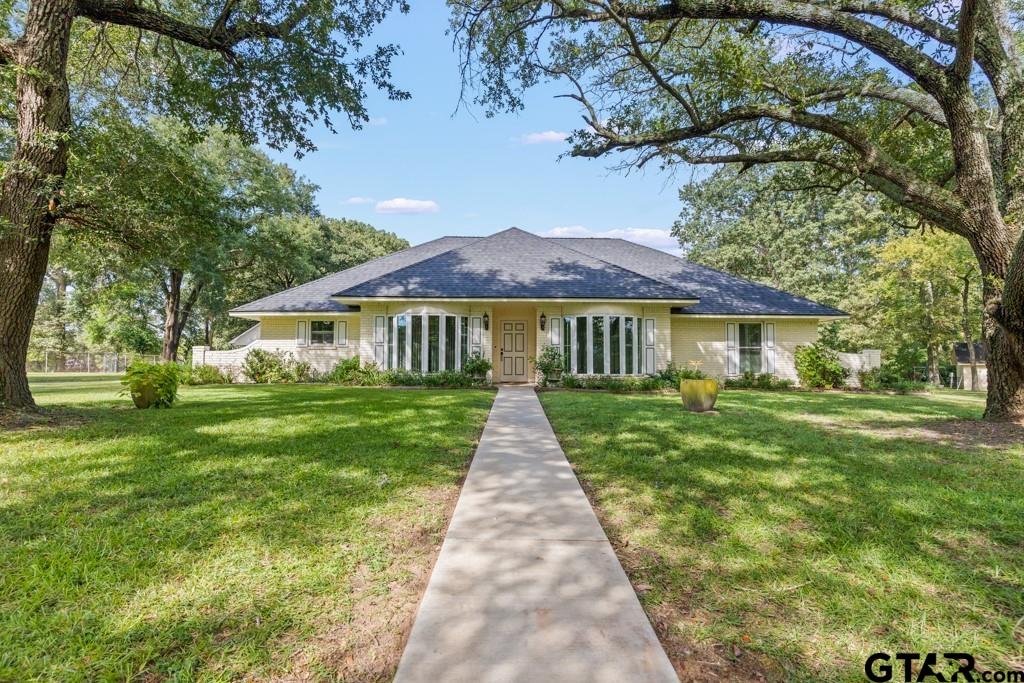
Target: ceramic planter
699 395
144 396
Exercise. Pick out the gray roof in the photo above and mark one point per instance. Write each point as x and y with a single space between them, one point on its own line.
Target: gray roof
516 264
963 356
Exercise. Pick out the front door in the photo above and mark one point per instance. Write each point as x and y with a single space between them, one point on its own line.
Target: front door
513 351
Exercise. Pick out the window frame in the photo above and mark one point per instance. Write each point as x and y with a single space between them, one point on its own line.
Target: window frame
313 333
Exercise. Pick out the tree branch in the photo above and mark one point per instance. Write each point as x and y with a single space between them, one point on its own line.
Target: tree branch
8 52
966 29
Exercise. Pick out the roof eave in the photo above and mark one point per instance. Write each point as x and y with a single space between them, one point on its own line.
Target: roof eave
478 299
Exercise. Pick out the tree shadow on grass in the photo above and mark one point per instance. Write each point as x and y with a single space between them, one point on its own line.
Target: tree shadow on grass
201 535
809 546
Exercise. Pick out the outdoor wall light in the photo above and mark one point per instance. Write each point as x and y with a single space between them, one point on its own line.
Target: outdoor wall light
543 321
487 322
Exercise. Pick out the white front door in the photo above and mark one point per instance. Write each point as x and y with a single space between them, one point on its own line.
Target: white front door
513 351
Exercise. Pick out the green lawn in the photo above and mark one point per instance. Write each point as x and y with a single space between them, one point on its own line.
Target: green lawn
792 534
249 532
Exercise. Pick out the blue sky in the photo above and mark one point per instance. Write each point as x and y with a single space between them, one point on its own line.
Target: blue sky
421 172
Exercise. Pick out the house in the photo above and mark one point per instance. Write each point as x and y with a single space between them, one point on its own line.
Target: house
613 307
963 366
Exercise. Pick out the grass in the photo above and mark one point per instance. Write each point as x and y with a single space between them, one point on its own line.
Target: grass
793 534
248 532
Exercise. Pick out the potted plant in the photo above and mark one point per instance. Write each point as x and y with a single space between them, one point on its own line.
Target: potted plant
698 392
152 385
549 365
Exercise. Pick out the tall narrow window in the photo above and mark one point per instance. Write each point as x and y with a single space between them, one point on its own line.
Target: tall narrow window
463 339
613 333
629 344
597 324
434 343
750 347
567 345
391 341
582 347
449 342
416 330
402 339
640 346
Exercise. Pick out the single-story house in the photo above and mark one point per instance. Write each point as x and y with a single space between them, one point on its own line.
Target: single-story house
963 366
611 306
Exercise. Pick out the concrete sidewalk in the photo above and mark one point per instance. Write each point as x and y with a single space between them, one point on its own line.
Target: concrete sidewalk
527 587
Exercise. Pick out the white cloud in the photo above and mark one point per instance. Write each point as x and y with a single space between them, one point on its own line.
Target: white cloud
655 238
403 205
378 121
541 138
359 200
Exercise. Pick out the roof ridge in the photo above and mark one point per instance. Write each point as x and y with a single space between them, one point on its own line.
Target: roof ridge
358 265
623 269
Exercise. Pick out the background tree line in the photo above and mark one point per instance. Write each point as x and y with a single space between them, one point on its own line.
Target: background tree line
175 230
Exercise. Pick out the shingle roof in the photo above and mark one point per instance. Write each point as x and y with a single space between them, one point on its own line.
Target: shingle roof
963 356
719 293
516 264
315 295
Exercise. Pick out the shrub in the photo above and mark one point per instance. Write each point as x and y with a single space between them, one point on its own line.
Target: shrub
765 381
369 375
476 366
152 385
889 378
616 384
819 368
672 374
549 365
265 367
205 374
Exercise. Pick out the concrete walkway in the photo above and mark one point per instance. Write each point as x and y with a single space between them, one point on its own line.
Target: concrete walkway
527 587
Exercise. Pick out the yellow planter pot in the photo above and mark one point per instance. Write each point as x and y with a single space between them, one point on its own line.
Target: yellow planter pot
699 395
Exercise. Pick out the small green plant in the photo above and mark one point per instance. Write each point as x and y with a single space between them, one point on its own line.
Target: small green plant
152 385
205 374
819 368
264 367
624 384
549 365
764 381
672 373
476 366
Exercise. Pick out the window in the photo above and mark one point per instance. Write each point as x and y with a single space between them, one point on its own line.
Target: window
391 341
433 343
321 332
417 343
630 348
597 344
567 345
463 339
582 347
401 340
750 347
615 359
449 342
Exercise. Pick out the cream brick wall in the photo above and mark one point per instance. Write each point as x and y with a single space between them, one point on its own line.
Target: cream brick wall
704 339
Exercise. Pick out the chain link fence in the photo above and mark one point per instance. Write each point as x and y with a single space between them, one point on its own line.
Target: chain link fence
91 361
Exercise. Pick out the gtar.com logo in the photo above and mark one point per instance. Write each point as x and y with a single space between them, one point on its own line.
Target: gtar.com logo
911 667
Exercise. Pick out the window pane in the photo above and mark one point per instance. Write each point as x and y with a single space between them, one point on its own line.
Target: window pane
629 346
464 337
640 346
598 344
321 332
434 341
391 341
567 345
750 335
416 330
615 360
449 342
581 345
750 360
403 331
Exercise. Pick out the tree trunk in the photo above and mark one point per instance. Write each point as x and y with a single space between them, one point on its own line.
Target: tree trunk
176 313
31 185
965 300
928 301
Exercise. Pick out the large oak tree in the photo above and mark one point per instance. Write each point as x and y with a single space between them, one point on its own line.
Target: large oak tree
258 67
921 101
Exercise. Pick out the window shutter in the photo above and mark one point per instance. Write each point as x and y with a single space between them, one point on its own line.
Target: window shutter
555 325
475 336
732 349
649 337
769 348
341 333
301 333
379 323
